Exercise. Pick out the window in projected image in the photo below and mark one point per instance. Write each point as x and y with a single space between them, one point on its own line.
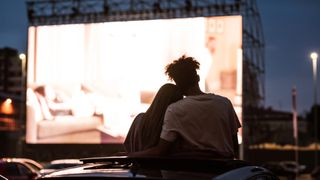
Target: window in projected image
87 82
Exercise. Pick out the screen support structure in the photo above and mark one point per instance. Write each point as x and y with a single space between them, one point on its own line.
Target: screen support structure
56 12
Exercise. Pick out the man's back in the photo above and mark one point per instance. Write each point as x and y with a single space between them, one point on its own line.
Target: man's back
203 122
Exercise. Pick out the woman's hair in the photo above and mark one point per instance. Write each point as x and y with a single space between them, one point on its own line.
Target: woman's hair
153 118
184 72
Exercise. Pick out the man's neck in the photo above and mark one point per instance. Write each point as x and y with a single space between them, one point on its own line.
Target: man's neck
194 91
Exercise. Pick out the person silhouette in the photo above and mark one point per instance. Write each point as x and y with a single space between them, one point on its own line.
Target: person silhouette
52 104
145 129
201 124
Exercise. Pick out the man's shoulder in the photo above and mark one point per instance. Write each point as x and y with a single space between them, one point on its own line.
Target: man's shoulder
218 97
192 100
215 100
210 97
176 104
179 106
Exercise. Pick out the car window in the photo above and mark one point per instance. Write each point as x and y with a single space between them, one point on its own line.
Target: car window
10 169
23 170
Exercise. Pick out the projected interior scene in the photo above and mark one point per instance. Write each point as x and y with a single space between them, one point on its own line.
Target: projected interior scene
87 82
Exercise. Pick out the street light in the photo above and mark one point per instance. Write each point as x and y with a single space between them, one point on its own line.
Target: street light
22 57
314 57
7 107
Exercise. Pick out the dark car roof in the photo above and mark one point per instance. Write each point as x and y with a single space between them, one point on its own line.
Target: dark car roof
173 163
147 168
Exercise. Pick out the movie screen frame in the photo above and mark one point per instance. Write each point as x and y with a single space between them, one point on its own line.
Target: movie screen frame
87 82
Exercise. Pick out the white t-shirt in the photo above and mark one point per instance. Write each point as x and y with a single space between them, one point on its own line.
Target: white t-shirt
203 122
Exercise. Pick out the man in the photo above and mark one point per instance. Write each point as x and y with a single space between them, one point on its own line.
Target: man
200 124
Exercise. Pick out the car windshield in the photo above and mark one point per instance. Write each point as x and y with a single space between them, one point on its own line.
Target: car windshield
36 168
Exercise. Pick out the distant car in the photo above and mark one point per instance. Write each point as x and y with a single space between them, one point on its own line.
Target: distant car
287 169
59 164
13 168
162 168
34 164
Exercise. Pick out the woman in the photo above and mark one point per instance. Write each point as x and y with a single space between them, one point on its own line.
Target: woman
52 104
146 127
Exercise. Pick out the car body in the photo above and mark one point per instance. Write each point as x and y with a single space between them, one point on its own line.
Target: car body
286 169
59 164
16 168
122 167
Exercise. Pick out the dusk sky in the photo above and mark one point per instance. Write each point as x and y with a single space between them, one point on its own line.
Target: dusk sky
291 31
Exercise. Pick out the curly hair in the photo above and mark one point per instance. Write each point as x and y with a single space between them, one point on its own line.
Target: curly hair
183 71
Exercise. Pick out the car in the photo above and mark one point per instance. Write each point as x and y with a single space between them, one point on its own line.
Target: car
15 168
59 164
3 178
34 164
123 167
285 169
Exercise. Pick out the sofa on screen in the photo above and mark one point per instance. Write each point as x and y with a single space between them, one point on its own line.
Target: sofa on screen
78 124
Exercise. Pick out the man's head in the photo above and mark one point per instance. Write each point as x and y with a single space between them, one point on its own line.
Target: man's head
184 72
211 44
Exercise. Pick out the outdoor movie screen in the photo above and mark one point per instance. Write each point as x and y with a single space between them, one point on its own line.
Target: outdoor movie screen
87 82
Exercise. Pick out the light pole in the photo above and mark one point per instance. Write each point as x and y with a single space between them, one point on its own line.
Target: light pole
314 57
23 58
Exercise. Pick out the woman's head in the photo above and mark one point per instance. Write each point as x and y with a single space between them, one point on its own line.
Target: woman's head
40 90
46 91
153 118
167 94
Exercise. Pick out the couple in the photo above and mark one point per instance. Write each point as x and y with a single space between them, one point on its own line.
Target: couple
199 125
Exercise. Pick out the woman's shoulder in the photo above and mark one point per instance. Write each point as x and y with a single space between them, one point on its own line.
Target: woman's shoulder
139 116
137 119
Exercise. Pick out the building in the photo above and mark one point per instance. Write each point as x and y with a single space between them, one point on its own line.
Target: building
12 95
10 72
275 126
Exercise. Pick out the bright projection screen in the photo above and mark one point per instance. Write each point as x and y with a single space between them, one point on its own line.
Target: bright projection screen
98 77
